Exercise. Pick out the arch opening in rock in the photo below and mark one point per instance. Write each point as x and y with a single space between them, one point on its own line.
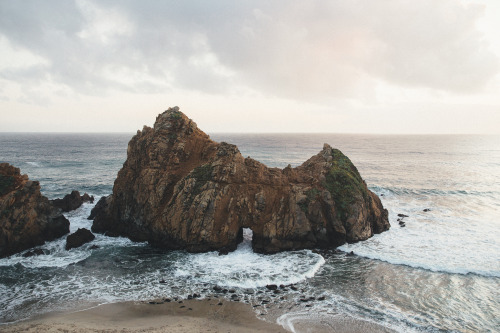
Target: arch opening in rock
245 236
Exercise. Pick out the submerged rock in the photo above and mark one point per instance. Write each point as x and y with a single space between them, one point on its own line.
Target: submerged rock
34 252
72 201
178 189
78 238
27 218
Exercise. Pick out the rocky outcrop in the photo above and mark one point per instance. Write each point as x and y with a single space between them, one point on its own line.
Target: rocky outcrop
72 201
27 218
178 189
78 238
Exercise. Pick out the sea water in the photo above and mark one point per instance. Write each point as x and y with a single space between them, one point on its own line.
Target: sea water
438 273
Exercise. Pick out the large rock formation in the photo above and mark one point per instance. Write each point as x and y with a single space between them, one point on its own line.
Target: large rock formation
27 218
178 189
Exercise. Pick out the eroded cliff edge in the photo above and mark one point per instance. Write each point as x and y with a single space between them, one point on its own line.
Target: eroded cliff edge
27 218
178 189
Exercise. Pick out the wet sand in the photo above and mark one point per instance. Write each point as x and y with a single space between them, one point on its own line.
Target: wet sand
209 315
188 316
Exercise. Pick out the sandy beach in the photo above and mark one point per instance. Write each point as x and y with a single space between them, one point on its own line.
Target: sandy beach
188 316
209 315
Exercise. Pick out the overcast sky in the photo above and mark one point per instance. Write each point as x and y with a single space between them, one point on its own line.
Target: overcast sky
353 66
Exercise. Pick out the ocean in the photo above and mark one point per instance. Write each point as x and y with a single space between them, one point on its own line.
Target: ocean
438 273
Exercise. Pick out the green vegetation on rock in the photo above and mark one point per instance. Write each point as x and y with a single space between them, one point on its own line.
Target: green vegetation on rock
311 195
175 114
201 174
344 182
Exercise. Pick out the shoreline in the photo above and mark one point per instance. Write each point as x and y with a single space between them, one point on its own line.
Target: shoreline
189 316
207 315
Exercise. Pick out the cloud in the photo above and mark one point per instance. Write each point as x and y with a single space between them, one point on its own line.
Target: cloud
314 50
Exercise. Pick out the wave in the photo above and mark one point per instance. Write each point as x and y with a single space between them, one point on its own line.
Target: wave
406 191
245 269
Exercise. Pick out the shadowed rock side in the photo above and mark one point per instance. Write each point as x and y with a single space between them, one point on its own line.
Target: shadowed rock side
178 189
27 218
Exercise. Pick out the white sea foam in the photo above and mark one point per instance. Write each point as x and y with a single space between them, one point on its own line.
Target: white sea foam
427 241
245 269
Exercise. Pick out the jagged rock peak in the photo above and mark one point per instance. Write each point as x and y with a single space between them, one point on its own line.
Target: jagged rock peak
178 189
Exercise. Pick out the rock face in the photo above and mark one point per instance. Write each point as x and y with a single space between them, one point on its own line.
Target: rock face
27 218
78 238
178 189
72 201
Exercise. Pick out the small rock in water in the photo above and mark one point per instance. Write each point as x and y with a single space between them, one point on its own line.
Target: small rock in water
427 210
93 247
272 287
35 252
321 298
401 223
78 238
402 215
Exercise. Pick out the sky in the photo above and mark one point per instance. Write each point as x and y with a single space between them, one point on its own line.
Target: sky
327 66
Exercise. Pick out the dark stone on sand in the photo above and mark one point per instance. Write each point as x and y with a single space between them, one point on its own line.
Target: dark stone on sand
217 288
78 238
